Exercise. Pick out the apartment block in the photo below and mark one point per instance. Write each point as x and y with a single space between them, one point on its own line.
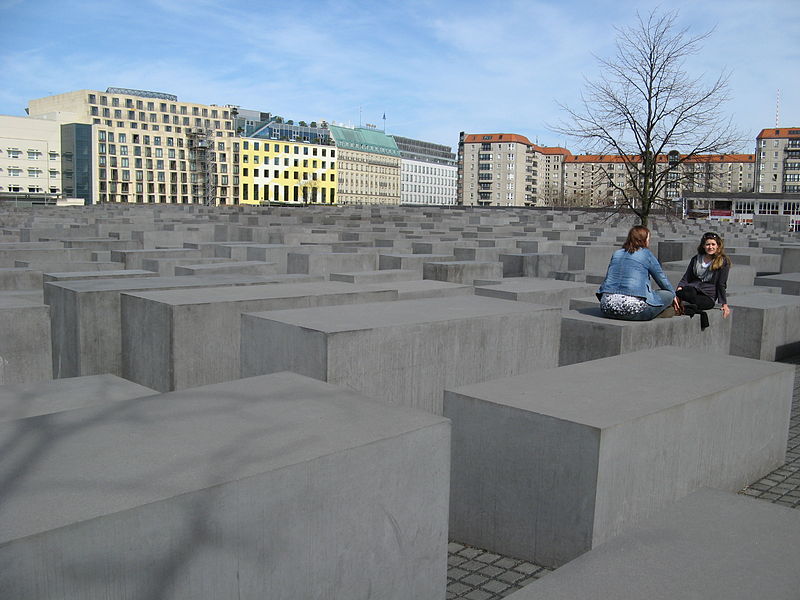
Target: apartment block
778 161
368 163
30 158
279 171
507 169
428 173
599 180
149 147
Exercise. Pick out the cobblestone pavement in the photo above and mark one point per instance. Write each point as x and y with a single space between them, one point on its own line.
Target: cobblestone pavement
475 574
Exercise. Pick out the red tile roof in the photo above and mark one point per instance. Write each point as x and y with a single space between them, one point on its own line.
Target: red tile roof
615 158
779 132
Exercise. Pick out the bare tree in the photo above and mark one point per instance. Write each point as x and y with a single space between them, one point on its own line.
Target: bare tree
646 109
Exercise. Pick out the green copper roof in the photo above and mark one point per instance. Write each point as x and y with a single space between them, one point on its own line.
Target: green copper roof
364 140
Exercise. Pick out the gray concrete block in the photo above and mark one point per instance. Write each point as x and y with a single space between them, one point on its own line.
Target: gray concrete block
324 264
132 259
548 465
120 274
788 282
21 401
462 271
404 352
15 278
250 267
699 547
25 354
86 322
587 335
278 253
765 326
588 258
380 276
165 267
181 338
413 262
417 289
537 291
790 260
273 487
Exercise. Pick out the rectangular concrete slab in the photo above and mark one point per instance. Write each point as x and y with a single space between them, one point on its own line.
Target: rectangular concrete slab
711 544
175 339
404 352
551 292
765 326
550 464
25 354
86 322
587 335
32 399
275 487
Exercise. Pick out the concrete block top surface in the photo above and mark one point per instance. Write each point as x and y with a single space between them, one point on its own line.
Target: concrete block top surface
795 277
534 284
31 399
764 300
82 464
375 315
149 283
710 544
606 392
200 295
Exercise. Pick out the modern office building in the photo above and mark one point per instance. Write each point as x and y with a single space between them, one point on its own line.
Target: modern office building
150 147
283 172
778 160
428 173
368 166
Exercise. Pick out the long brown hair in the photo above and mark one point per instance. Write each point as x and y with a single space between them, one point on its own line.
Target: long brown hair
720 258
637 238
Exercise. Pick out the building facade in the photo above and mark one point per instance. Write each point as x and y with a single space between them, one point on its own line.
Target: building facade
778 161
428 173
149 147
282 172
507 169
368 164
599 180
31 158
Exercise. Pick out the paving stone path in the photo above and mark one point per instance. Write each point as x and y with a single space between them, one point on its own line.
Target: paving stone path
476 574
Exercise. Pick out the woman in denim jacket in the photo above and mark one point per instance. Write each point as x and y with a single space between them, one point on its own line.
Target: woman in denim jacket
626 293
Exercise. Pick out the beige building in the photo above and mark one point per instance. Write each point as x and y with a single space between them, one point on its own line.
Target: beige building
507 169
778 161
148 147
30 158
595 180
368 165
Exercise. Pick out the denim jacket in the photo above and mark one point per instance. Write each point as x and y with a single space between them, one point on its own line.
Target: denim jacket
629 274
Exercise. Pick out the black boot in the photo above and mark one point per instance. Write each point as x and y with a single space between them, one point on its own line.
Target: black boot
689 309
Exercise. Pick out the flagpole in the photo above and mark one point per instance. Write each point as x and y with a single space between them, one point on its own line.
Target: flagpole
384 122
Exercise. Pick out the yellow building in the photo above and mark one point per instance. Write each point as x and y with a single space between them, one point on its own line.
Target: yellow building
279 171
152 148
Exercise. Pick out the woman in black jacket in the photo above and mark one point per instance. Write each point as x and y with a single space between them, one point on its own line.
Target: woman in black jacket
705 281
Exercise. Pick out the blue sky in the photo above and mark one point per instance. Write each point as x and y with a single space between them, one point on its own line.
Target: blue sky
434 68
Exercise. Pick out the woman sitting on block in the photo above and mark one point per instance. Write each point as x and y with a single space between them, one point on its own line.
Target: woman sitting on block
626 293
705 281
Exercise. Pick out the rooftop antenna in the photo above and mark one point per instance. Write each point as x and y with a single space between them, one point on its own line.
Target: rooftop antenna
778 108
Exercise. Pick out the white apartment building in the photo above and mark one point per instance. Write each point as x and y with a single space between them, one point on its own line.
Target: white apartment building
149 147
30 158
778 161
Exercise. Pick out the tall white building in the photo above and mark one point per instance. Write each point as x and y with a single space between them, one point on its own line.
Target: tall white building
428 173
